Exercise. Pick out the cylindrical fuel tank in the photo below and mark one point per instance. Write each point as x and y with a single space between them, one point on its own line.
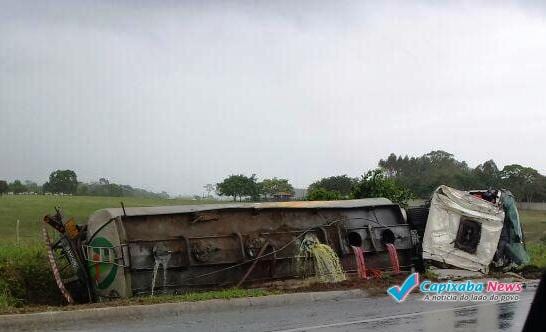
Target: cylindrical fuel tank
175 248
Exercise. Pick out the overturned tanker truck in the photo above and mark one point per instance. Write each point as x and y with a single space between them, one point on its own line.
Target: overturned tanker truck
124 252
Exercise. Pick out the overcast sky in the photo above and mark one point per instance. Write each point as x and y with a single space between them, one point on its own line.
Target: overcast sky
174 95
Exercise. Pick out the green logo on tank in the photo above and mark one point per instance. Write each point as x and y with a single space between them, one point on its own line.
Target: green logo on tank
102 273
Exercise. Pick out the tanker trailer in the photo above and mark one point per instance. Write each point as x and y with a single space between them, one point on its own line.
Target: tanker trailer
124 252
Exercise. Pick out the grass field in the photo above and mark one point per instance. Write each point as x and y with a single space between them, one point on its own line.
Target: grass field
534 225
29 210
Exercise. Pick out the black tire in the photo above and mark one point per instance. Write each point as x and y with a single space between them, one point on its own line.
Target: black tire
417 220
417 217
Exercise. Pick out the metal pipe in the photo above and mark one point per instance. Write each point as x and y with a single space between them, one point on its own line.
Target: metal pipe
251 268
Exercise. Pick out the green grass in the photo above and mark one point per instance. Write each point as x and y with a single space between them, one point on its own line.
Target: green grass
534 225
25 277
29 210
537 251
231 293
534 228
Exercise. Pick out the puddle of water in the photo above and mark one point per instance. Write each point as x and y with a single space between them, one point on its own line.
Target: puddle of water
500 317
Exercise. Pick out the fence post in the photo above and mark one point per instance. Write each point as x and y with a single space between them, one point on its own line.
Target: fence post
17 231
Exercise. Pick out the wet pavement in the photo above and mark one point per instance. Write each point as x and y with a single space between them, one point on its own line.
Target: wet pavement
354 314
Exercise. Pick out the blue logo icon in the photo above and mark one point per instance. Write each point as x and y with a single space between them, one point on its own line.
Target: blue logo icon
399 293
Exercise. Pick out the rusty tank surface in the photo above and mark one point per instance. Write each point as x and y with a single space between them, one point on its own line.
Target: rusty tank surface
124 252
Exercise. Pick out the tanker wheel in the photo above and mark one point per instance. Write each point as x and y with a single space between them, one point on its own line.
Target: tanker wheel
68 271
417 218
53 258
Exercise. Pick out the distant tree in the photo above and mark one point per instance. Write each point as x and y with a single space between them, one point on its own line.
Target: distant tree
424 174
341 184
82 189
209 187
440 157
376 183
3 187
104 188
62 181
524 182
31 186
321 194
239 186
487 175
17 187
270 187
114 190
391 165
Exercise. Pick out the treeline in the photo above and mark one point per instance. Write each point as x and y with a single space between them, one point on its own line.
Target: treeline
105 188
401 178
372 184
248 187
398 178
65 182
421 175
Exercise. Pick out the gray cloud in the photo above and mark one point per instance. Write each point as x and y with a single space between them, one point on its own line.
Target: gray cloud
172 96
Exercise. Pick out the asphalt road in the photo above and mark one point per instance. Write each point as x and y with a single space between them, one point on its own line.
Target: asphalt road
354 314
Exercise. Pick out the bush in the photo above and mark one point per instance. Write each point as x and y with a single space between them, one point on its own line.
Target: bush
341 184
25 277
321 194
375 183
